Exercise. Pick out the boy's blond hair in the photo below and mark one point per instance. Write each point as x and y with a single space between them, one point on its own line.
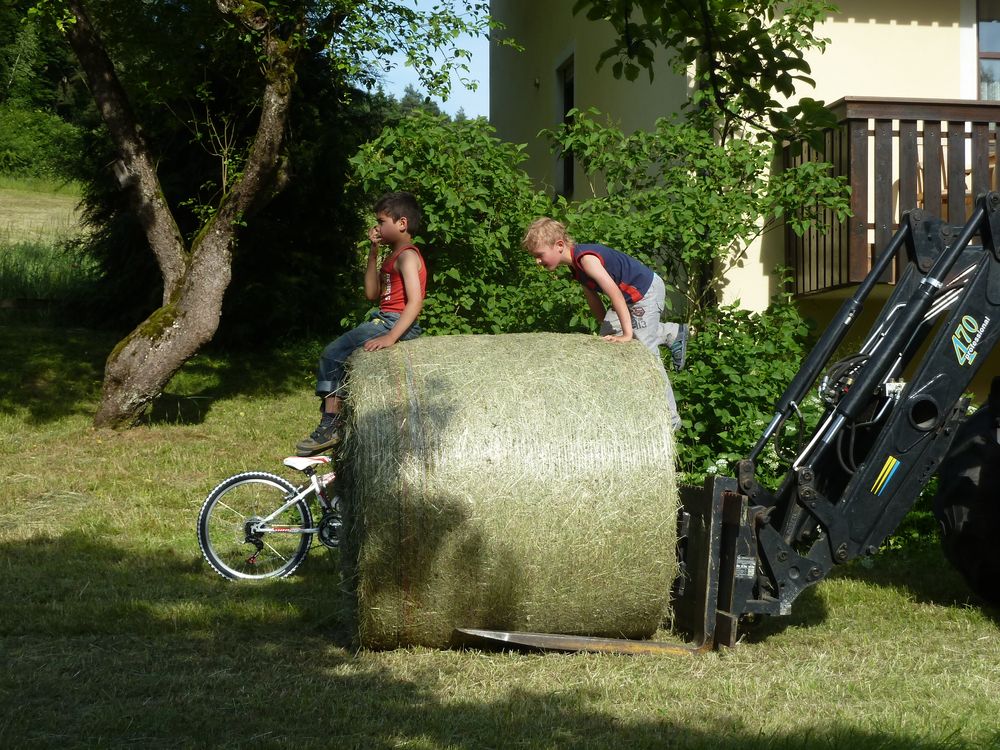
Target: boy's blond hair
545 231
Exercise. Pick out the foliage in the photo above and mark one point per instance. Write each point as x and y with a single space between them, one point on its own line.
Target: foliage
19 69
477 203
194 84
40 103
374 32
35 143
738 364
37 72
746 60
684 202
413 100
744 56
671 198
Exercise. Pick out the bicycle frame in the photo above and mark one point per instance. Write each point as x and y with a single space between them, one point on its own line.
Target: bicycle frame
313 488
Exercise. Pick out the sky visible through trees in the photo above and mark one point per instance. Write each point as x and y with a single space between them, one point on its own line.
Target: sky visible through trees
473 103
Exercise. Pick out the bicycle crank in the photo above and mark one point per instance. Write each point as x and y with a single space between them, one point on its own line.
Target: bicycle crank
329 529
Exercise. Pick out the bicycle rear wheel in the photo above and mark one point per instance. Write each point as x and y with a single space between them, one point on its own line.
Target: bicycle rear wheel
227 531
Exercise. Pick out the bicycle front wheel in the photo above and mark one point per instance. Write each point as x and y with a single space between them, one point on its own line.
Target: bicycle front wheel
233 538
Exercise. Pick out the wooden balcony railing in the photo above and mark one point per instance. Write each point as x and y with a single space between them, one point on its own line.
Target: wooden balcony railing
898 154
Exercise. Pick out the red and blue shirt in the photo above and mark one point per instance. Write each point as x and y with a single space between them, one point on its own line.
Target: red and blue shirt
631 276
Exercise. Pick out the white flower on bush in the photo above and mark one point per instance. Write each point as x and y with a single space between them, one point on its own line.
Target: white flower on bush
719 466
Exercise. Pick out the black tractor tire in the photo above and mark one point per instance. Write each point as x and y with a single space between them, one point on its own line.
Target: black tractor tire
967 504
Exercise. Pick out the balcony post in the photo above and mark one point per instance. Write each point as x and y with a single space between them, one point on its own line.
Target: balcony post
857 237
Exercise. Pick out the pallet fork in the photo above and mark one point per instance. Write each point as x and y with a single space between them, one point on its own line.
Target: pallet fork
715 549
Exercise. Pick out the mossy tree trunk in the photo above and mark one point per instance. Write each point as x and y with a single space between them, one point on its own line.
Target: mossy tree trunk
196 274
144 361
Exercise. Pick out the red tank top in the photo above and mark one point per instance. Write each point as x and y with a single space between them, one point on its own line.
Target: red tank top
393 290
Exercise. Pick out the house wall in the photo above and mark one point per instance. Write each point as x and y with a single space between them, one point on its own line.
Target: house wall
525 92
900 48
890 48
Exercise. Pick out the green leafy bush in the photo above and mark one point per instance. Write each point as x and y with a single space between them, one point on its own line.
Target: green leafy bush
34 143
738 364
671 196
477 203
685 203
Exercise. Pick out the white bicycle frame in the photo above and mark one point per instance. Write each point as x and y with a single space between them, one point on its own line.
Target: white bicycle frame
313 488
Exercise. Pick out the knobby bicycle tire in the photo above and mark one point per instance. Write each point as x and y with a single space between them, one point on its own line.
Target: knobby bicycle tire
224 528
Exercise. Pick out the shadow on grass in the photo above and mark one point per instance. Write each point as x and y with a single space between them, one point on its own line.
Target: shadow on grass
106 647
52 372
921 569
213 376
105 589
807 610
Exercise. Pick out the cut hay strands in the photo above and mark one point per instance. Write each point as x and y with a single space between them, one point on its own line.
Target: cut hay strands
514 482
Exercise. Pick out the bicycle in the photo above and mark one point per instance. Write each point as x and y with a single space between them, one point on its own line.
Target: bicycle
257 525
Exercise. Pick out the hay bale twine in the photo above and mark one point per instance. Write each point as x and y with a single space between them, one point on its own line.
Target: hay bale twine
512 482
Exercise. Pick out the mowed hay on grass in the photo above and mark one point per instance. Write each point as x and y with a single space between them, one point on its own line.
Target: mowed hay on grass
512 482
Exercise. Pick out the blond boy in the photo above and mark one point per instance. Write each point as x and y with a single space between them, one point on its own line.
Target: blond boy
635 293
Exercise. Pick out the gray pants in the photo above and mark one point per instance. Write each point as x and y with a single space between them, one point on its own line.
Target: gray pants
651 331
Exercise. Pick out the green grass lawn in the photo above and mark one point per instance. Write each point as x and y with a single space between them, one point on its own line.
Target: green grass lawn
34 210
114 632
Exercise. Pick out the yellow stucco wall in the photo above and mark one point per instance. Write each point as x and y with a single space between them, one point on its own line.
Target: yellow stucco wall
524 86
897 48
901 48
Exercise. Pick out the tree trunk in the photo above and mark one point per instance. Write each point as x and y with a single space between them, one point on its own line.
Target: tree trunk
195 279
140 179
144 361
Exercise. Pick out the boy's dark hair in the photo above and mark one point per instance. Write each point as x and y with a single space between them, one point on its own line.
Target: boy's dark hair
400 204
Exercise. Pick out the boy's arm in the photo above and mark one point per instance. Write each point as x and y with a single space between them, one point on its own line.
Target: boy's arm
408 265
372 288
595 270
595 303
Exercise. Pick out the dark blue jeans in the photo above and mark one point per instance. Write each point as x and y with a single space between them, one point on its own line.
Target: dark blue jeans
330 373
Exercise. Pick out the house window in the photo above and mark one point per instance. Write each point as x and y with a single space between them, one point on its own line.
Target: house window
566 88
989 49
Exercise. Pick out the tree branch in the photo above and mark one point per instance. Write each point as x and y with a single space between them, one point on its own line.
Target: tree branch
142 182
326 28
252 15
263 173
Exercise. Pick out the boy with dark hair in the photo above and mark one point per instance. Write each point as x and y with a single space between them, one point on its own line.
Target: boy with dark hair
399 284
635 292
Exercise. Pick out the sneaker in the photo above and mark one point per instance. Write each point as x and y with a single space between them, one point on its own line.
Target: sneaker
678 349
322 439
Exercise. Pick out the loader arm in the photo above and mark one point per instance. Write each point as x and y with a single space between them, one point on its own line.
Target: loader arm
881 437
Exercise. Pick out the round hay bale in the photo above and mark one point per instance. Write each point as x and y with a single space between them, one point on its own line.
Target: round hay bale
513 482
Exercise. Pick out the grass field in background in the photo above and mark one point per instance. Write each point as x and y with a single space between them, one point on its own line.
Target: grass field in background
114 632
36 217
35 210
